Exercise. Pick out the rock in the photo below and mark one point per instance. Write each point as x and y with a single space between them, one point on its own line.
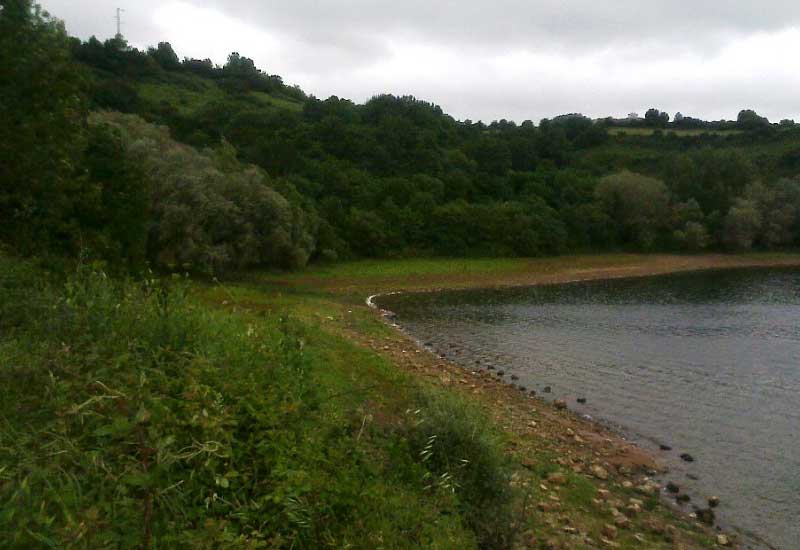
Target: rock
673 488
522 388
683 499
713 502
490 367
622 522
557 478
603 494
693 477
653 525
706 515
547 389
627 484
665 447
609 531
514 377
501 373
560 404
686 457
670 532
609 544
633 510
529 463
532 393
599 472
723 540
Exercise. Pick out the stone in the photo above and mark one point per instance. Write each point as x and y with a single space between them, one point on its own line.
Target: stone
532 393
609 531
673 488
686 457
581 400
603 494
560 404
599 472
501 373
665 447
723 540
713 502
557 478
706 515
622 522
683 499
627 484
653 525
547 389
633 510
514 377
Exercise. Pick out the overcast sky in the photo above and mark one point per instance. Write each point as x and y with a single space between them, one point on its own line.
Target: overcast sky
492 59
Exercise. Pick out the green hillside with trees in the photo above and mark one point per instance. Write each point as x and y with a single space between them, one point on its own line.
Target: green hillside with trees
315 180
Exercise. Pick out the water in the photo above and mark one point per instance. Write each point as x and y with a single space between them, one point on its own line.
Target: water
707 363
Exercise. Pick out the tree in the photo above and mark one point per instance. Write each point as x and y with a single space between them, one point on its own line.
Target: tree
165 56
741 225
750 120
42 134
656 119
638 204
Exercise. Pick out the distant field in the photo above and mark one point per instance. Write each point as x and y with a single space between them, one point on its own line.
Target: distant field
189 93
651 131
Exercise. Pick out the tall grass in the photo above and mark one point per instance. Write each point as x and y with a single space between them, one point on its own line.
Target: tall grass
131 415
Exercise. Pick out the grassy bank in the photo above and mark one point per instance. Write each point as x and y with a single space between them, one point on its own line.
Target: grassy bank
279 411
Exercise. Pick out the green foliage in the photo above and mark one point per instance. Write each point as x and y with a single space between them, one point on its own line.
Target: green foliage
133 416
42 131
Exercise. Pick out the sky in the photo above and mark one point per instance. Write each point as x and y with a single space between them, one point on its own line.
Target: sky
492 59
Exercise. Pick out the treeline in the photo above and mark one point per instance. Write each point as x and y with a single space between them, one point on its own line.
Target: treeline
252 172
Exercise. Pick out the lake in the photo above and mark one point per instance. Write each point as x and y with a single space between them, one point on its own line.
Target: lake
707 363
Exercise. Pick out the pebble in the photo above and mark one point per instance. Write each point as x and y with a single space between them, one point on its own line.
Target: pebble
557 478
609 531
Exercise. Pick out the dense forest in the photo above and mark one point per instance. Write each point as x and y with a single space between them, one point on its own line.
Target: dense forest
138 157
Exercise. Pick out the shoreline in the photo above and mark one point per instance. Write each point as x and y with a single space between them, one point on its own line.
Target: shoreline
628 455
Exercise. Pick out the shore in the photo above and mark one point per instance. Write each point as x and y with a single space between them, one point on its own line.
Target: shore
620 495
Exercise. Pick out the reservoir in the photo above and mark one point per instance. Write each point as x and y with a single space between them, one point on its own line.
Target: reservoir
706 363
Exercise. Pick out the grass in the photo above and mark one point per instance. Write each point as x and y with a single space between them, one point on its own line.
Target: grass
265 413
191 93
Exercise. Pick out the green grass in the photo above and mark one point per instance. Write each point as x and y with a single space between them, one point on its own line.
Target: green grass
134 414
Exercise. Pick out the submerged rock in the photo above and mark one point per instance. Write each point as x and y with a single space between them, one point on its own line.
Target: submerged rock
686 457
501 373
673 488
582 400
547 389
514 377
706 515
665 447
683 499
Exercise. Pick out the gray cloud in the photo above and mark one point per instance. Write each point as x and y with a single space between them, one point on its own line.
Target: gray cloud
493 59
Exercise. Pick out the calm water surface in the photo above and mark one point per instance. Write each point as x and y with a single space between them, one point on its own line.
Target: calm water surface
707 363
